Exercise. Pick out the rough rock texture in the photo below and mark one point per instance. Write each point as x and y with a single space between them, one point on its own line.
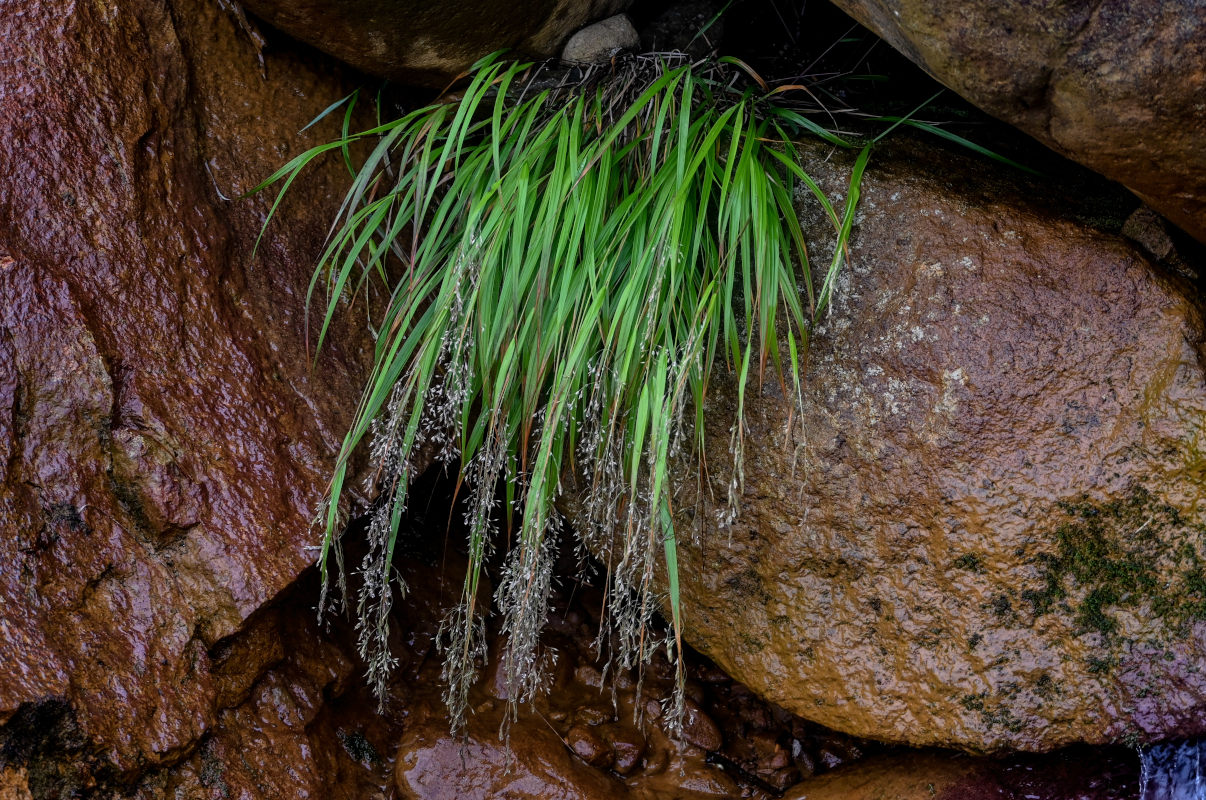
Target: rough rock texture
989 528
430 41
1116 85
301 723
162 444
294 719
600 41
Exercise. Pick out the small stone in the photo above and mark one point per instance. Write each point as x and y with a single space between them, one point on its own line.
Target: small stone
830 758
699 729
593 714
588 675
600 41
589 746
627 744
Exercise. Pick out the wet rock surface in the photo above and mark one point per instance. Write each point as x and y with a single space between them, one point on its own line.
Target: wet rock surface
595 733
987 530
1078 774
431 42
306 725
163 445
1116 86
162 442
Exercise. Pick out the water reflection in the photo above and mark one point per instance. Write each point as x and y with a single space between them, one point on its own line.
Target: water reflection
1173 771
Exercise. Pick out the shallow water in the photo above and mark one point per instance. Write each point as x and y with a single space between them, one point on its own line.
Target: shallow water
1173 771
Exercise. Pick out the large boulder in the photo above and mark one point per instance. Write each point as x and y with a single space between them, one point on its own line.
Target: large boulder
1115 85
431 41
988 528
163 445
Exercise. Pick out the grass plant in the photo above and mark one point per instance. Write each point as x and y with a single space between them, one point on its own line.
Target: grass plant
565 267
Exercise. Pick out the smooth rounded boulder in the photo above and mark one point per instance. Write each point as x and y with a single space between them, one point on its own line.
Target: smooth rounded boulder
986 528
1117 86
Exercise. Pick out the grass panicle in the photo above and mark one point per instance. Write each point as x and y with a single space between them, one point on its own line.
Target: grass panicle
566 265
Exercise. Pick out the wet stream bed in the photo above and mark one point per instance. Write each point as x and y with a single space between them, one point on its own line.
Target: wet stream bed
590 736
301 721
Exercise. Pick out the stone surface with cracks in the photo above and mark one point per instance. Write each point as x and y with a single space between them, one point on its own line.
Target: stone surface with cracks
163 444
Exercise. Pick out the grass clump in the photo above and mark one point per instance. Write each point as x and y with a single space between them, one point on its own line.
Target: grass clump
565 267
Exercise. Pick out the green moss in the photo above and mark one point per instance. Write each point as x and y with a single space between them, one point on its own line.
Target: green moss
970 562
1193 596
1102 665
1117 555
1046 688
993 714
358 747
213 772
973 702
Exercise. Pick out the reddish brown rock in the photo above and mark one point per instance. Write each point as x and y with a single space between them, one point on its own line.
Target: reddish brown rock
627 746
989 529
431 41
581 739
305 727
434 765
589 746
574 743
699 729
926 775
162 442
1115 85
920 776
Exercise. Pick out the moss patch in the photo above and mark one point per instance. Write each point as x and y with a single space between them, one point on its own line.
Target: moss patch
994 711
359 748
970 562
1127 553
